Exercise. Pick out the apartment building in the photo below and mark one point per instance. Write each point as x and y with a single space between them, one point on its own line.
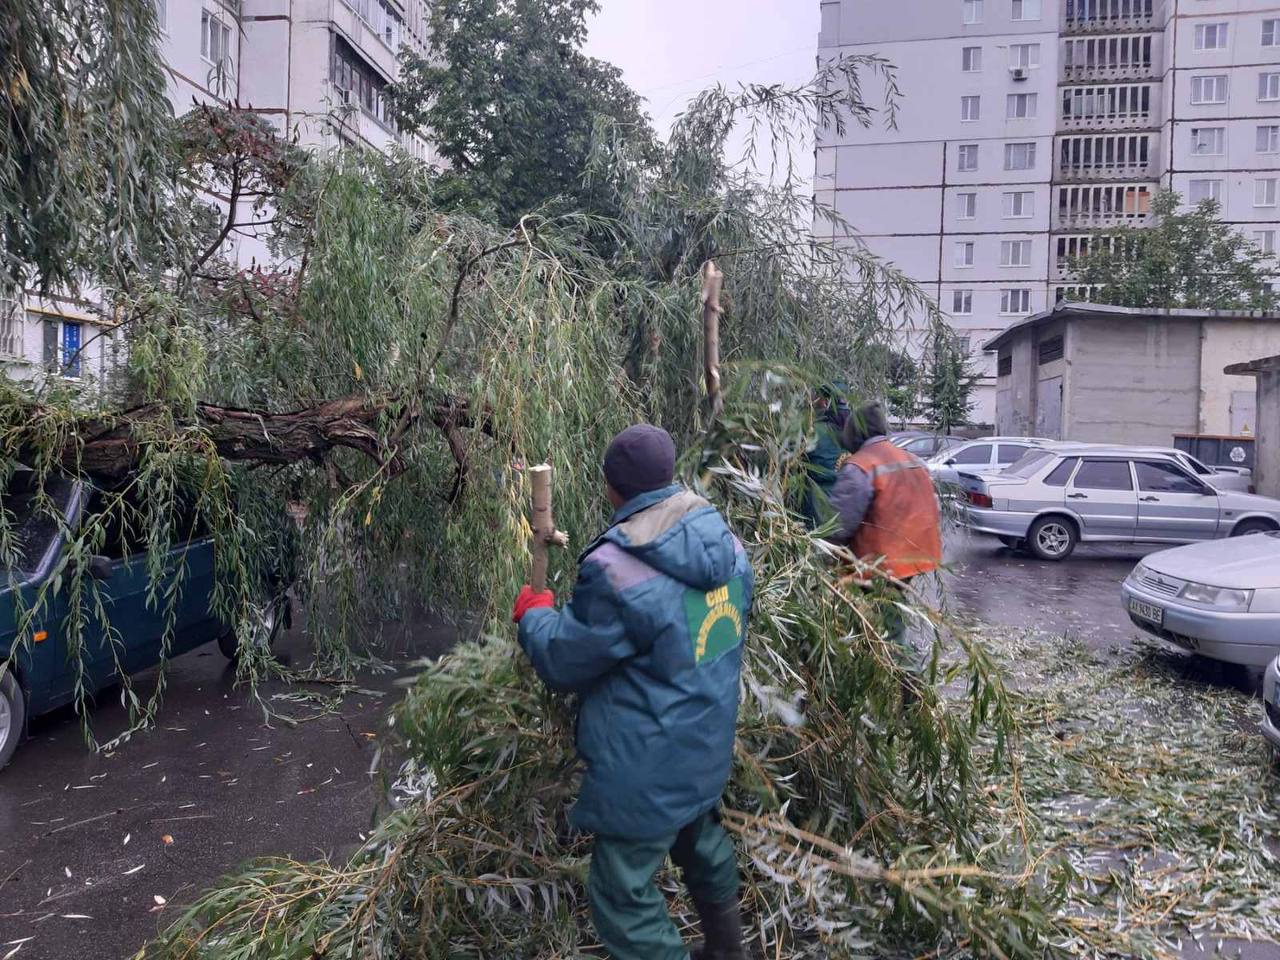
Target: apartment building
1028 126
316 69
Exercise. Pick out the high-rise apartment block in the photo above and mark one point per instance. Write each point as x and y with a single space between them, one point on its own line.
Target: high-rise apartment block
316 69
1027 126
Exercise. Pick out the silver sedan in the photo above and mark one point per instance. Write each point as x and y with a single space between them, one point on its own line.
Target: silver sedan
1059 496
1219 599
1271 707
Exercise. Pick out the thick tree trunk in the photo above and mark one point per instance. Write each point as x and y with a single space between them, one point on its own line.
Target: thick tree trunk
111 447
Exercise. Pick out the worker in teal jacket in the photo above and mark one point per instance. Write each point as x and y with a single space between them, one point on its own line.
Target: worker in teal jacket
830 412
651 642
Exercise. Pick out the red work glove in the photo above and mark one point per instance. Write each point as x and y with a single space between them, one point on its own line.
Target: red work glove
530 599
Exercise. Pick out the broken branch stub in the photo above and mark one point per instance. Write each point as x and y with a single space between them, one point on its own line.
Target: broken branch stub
712 279
545 533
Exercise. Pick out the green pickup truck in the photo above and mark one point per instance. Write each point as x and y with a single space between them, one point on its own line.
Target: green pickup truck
38 669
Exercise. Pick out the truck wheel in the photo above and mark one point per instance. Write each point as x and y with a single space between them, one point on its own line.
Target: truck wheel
1052 538
267 615
13 716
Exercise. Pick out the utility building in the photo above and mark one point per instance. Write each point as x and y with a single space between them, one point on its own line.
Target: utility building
1102 374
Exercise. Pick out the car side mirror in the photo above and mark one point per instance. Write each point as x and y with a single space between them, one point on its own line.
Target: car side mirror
99 567
951 462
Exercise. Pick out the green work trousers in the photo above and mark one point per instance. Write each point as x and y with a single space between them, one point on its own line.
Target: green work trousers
628 909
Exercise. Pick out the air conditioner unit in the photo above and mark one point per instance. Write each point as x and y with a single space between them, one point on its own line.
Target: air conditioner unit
344 96
1019 73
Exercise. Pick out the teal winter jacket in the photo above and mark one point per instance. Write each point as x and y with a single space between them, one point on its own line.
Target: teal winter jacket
652 643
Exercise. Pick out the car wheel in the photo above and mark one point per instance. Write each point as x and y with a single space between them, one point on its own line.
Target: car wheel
1052 538
13 716
1246 527
267 616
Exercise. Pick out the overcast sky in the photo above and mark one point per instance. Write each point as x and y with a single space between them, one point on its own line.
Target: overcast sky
669 50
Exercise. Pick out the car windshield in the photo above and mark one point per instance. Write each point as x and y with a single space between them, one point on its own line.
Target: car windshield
30 527
1028 464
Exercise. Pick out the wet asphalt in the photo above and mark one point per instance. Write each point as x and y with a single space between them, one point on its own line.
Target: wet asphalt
106 845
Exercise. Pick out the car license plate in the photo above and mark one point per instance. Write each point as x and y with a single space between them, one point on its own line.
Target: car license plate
1147 611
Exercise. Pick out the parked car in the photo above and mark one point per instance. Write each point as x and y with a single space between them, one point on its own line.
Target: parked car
988 455
924 445
1220 599
1060 495
1271 707
37 672
1238 479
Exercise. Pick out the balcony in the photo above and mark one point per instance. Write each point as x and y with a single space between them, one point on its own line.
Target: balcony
1113 107
1103 16
1070 247
1120 57
1112 156
1099 206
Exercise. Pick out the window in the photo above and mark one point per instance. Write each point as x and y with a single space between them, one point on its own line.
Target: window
970 108
978 453
1209 89
1025 55
215 39
1271 33
966 206
1269 86
964 345
1208 141
1104 475
10 330
1269 139
1202 190
1264 192
1060 474
1157 477
968 157
971 59
1011 452
1004 366
972 11
162 15
1211 36
357 83
1020 106
962 302
1026 10
1015 253
1030 464
1017 300
1265 239
1019 205
1050 349
1019 156
964 253
69 358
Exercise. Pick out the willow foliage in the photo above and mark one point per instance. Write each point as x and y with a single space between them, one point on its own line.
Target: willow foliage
411 361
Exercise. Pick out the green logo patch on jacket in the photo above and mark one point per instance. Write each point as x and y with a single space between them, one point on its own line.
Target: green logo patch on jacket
715 620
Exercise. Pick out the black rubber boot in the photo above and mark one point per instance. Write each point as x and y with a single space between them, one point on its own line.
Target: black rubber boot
722 932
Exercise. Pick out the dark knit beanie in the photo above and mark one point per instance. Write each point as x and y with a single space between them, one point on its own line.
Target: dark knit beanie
865 422
640 459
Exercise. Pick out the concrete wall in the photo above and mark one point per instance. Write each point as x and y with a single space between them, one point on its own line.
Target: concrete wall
1266 467
1131 381
1226 342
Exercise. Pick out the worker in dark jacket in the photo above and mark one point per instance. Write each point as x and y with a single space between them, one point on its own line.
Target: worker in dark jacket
887 510
652 643
830 413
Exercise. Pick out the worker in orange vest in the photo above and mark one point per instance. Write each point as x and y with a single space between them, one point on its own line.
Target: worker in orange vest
887 512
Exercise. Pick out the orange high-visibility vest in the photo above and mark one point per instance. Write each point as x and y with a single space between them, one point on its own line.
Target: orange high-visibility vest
902 530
